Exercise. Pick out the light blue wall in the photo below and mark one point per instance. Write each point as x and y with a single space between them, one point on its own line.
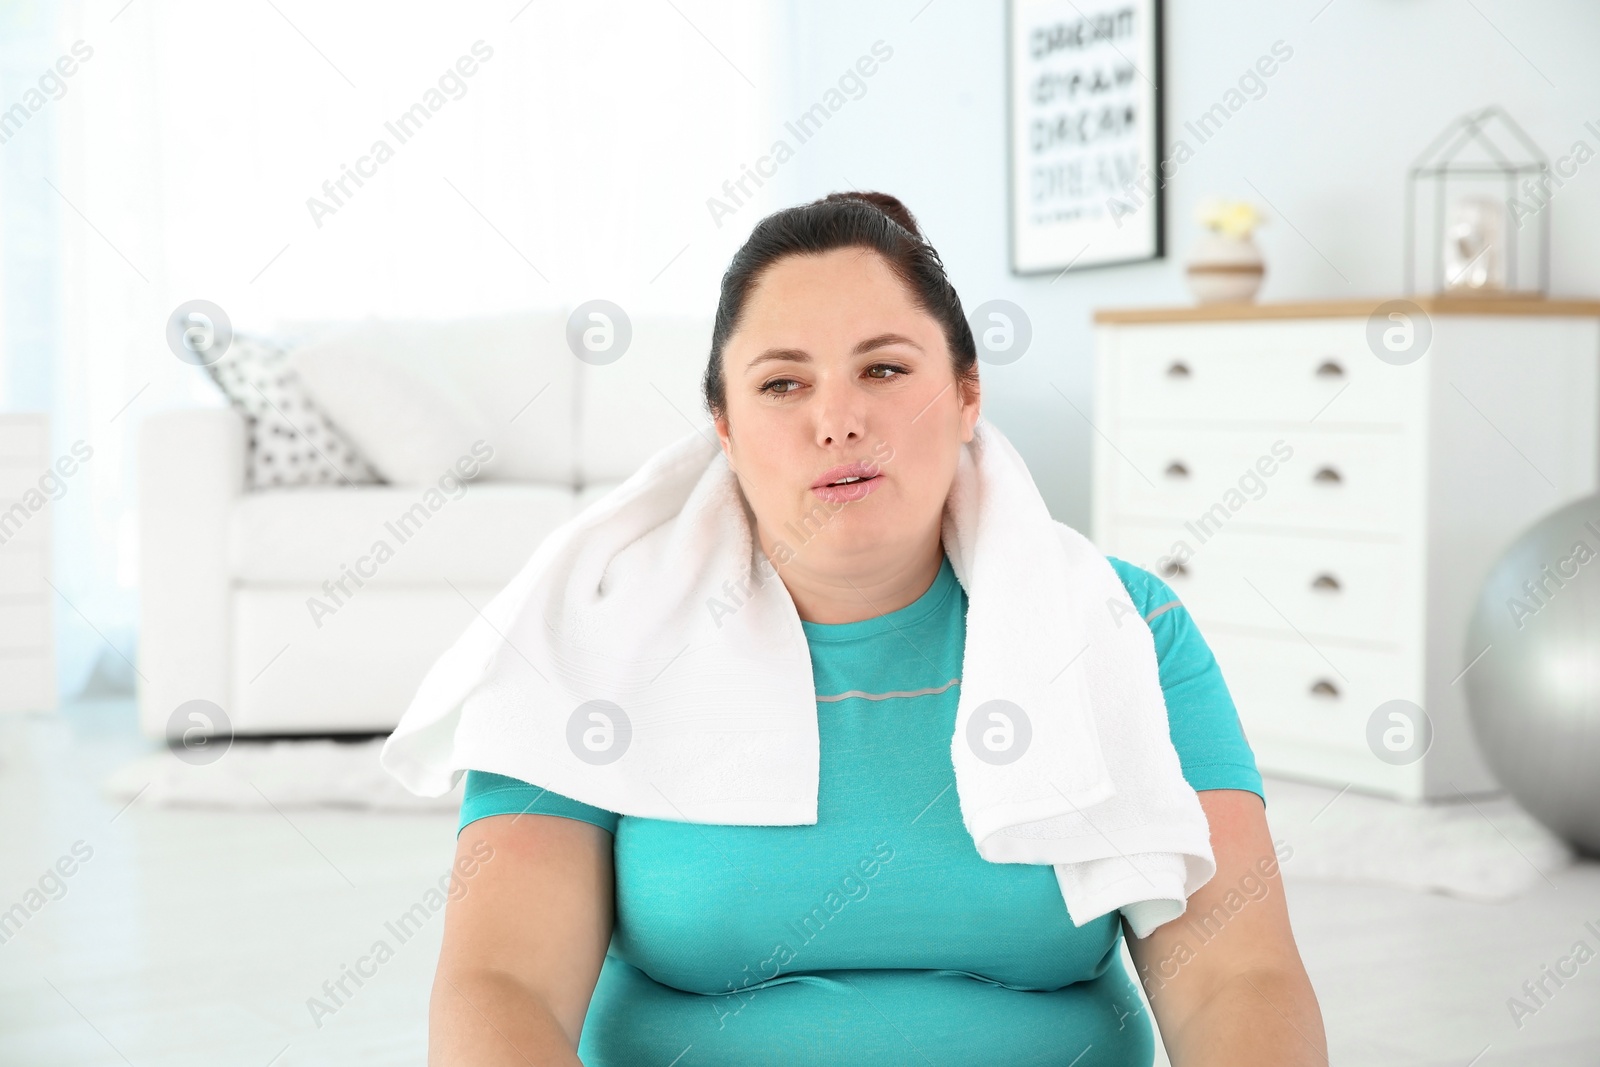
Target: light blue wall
1369 85
28 240
30 371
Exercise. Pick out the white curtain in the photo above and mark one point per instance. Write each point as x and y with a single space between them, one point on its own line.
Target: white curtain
556 152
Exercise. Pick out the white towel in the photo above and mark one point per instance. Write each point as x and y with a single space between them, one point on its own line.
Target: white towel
658 599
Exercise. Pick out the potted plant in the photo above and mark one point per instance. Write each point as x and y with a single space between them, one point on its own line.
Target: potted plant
1225 264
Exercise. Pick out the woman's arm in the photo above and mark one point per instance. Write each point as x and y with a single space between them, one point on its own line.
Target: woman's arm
523 945
1225 980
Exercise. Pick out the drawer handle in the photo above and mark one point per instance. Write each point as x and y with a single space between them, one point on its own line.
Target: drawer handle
1176 469
1330 369
1179 369
1327 474
1174 569
1326 581
1324 688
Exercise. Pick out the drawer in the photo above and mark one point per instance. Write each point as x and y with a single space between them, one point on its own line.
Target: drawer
1261 372
1366 482
1323 586
1324 696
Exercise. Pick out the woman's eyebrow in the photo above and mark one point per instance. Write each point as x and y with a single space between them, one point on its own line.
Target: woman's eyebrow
799 355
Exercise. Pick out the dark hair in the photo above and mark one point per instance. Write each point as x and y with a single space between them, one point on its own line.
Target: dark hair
874 221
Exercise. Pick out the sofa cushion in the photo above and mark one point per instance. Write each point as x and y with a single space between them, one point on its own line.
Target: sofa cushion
358 670
517 371
394 396
416 393
290 441
477 533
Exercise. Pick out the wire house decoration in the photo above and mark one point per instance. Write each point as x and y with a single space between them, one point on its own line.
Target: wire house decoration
1482 232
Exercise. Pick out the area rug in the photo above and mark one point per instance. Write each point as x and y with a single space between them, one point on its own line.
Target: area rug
1484 848
284 773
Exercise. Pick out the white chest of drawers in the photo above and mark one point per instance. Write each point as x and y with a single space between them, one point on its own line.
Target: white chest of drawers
1327 516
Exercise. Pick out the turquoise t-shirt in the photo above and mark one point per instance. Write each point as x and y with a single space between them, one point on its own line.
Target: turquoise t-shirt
878 935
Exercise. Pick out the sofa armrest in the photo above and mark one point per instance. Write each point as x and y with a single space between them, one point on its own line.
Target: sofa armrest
191 470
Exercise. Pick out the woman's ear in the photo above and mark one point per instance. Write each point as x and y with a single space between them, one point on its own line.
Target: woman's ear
725 438
970 409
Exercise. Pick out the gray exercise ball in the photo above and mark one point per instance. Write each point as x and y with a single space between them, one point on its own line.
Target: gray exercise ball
1534 696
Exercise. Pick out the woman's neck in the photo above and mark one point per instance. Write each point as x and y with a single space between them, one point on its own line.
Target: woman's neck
830 590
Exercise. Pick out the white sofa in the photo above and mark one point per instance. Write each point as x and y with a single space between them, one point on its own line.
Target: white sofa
228 575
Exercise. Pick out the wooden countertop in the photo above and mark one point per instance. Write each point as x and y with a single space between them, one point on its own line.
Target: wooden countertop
1315 309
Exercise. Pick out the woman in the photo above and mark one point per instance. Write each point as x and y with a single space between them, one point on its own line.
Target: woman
842 370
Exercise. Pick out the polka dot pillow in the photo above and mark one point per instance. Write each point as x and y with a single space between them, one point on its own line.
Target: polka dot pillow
290 441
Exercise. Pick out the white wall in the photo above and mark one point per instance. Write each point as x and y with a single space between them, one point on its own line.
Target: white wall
1369 85
180 161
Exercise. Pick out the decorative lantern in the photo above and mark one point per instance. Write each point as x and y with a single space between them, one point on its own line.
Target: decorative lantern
1488 188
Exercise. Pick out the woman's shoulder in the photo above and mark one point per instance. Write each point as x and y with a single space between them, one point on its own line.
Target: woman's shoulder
1205 726
487 793
1180 649
1148 592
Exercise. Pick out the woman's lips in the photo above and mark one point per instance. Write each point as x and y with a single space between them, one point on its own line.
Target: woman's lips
842 494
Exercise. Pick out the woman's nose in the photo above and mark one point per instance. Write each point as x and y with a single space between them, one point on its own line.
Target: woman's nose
840 410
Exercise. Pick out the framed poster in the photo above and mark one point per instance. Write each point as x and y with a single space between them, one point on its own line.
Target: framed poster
1084 133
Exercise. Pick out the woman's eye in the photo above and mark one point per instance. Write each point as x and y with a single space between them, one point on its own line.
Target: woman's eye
768 388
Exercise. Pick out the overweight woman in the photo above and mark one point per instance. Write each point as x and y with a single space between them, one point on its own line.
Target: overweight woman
877 935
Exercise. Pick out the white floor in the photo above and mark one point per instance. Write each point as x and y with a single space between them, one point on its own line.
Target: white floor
197 938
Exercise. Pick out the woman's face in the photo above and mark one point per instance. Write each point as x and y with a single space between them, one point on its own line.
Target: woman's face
832 365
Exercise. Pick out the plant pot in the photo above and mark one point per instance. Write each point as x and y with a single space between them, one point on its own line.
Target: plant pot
1224 269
